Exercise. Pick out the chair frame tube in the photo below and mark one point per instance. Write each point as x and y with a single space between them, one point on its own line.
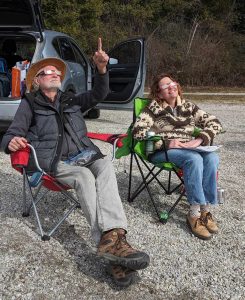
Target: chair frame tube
45 235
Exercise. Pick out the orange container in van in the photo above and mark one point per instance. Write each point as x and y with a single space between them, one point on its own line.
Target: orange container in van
15 92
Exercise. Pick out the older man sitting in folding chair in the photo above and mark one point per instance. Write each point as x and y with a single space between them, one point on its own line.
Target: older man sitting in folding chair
52 122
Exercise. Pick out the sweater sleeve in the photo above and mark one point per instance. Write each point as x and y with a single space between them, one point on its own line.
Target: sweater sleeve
210 126
143 124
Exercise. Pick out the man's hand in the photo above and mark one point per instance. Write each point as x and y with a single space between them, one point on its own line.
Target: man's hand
17 143
100 58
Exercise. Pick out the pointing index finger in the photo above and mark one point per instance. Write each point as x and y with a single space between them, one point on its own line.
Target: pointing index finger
99 44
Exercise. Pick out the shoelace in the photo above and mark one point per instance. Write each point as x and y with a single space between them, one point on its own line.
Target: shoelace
201 221
122 242
207 217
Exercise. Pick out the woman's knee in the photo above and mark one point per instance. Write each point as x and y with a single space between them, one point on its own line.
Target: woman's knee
211 159
194 159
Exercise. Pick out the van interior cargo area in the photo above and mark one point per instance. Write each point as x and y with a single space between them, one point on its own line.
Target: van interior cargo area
14 49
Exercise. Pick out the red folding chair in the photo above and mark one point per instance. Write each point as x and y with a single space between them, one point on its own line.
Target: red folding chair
115 139
32 185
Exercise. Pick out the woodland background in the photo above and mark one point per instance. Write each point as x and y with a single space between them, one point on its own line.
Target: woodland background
200 42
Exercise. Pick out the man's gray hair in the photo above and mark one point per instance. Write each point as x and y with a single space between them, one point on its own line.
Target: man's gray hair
34 86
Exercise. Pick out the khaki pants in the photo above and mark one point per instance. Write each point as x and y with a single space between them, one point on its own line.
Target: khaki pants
97 191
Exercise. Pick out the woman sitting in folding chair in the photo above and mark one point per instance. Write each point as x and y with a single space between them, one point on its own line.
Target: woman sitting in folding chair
175 120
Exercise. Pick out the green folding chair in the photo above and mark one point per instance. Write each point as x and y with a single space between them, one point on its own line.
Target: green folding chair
137 151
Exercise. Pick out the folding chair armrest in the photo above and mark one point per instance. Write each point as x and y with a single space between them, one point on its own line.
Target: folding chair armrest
107 137
20 158
33 151
163 147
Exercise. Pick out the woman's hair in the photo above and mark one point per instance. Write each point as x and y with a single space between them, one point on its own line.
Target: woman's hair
154 89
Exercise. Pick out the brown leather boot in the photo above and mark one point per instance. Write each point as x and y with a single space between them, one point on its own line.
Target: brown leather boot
114 247
198 228
209 222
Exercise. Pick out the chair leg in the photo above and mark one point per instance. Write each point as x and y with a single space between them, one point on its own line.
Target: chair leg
35 211
154 176
169 183
176 202
57 225
45 236
141 187
163 216
179 185
130 177
148 189
25 213
76 204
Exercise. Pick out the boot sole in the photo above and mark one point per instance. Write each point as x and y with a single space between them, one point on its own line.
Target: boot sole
131 263
128 280
196 234
214 232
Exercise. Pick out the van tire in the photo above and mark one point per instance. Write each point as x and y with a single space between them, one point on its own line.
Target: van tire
93 113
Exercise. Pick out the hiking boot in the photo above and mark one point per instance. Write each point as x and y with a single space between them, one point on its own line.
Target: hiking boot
122 276
198 227
114 247
209 222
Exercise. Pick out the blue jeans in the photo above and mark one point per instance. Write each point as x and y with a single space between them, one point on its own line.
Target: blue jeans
199 173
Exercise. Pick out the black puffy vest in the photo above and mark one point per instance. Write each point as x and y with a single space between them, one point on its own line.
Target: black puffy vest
46 132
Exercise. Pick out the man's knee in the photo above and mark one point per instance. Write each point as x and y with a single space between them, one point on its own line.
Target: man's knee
102 165
83 176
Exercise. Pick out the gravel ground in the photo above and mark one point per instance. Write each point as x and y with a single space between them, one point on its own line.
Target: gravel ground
182 266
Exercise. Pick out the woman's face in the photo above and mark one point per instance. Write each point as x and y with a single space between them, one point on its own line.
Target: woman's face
168 89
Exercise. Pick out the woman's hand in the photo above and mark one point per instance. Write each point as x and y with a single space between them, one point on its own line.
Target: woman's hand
100 58
17 143
193 143
175 144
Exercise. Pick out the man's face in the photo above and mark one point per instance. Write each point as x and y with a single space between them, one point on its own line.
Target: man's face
48 78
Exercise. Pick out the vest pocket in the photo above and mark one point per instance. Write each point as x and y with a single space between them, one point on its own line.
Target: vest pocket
75 117
44 112
46 123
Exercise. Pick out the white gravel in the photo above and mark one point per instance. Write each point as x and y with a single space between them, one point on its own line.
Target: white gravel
182 266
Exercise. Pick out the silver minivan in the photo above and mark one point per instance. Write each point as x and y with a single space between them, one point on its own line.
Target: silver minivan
21 23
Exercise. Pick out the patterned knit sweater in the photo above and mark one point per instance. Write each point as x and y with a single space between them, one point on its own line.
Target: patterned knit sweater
176 124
